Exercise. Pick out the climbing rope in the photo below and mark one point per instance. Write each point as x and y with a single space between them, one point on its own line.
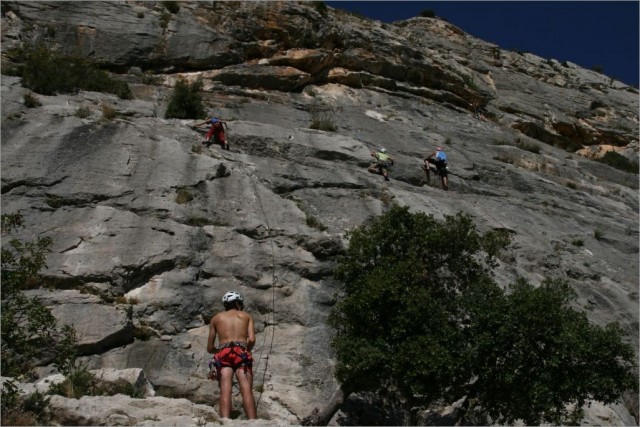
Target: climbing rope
274 278
274 281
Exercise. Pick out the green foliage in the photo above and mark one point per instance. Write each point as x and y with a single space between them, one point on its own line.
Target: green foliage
80 382
419 315
320 7
619 161
83 112
108 112
164 20
149 78
314 222
27 325
19 410
200 221
323 116
598 234
186 102
28 328
428 13
48 73
469 81
197 148
171 6
528 146
183 196
31 101
401 275
534 355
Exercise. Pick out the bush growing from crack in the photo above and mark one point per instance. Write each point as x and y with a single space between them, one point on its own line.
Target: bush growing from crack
172 6
323 116
31 101
185 101
49 73
82 112
183 196
619 161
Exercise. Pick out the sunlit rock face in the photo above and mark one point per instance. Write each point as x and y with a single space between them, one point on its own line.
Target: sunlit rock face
151 227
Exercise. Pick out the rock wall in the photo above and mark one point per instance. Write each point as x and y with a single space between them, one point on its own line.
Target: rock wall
151 227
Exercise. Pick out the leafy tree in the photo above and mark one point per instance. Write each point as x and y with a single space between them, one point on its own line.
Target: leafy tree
28 327
534 355
420 318
186 102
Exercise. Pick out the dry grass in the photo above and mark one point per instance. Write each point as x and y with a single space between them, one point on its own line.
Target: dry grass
108 111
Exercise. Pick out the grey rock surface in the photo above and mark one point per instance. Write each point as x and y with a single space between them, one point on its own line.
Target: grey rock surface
152 227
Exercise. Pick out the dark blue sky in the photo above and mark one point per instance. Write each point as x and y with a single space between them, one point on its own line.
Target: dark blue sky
601 34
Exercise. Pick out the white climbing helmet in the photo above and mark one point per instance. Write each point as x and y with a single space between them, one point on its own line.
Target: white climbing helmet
231 296
383 150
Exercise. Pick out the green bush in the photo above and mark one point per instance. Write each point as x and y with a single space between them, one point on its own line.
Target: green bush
314 222
108 112
164 20
81 382
185 101
598 234
31 101
323 116
28 327
149 78
200 221
320 7
48 73
428 13
183 196
528 146
83 112
420 318
77 383
20 410
171 6
577 242
619 161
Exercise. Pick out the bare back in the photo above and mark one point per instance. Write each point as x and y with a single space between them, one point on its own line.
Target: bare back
231 325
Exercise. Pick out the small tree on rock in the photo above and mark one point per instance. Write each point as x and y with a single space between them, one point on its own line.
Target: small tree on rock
186 102
29 330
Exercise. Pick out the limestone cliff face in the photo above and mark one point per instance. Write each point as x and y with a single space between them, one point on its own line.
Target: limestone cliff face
151 228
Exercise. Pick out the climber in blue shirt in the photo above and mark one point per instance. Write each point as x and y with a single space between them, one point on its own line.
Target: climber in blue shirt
438 159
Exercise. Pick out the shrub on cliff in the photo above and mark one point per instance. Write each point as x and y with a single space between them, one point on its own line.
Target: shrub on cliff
186 102
619 161
29 330
420 318
48 73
